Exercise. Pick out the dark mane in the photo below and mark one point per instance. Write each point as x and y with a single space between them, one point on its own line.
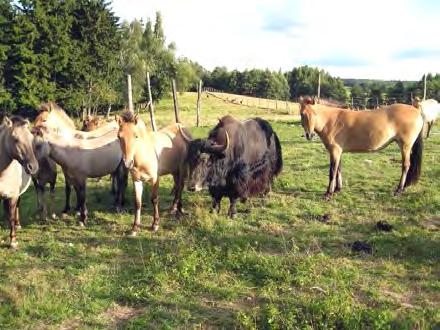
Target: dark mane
128 117
18 121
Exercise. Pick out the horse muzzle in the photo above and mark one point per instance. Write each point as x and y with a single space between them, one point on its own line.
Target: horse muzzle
129 163
309 136
31 168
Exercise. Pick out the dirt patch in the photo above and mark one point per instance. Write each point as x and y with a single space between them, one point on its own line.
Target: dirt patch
432 224
117 315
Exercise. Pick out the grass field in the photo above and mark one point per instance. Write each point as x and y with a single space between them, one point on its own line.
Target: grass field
274 267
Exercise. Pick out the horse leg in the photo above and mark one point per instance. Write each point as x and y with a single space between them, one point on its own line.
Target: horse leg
339 177
138 187
406 162
68 191
232 212
335 156
39 188
17 215
10 206
52 200
430 123
81 197
155 202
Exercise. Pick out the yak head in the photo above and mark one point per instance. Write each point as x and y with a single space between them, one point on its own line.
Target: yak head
202 153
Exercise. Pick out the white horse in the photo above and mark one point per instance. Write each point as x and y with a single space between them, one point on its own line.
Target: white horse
430 111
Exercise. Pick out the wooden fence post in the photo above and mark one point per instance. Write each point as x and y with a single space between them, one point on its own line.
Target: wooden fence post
176 107
129 93
150 103
199 96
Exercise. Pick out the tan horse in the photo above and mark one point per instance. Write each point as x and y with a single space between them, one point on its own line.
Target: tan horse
92 123
353 131
17 164
81 159
150 155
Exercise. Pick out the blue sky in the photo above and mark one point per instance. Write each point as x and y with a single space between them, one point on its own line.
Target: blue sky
384 39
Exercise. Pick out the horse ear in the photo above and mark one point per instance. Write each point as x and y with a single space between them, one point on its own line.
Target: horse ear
301 100
7 122
136 118
118 120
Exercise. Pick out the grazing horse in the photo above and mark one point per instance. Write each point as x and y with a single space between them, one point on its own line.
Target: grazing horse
430 111
352 131
17 164
53 117
150 155
81 159
238 160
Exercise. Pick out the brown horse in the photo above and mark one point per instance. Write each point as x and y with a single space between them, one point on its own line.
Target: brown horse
352 131
149 156
17 164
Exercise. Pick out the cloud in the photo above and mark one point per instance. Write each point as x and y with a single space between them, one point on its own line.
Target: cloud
367 39
417 53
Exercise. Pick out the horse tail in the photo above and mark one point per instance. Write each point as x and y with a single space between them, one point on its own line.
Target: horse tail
279 156
415 168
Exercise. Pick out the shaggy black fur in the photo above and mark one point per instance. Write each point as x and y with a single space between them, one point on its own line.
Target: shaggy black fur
246 168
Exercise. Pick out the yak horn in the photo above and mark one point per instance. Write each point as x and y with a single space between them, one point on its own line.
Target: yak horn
221 148
185 137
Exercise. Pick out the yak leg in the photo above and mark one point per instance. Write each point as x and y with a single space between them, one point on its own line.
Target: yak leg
406 162
216 203
232 212
10 206
339 177
335 157
138 187
155 202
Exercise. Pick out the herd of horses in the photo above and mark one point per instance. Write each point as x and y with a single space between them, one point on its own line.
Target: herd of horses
238 159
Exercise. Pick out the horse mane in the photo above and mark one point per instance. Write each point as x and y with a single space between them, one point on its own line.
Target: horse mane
18 121
55 108
128 117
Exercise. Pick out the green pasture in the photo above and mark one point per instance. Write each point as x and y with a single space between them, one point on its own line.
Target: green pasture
276 266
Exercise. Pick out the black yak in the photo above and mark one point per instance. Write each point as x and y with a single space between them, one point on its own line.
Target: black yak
237 160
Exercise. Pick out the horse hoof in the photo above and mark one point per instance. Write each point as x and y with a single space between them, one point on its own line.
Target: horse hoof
232 215
54 216
132 233
18 227
14 245
81 224
327 197
154 228
398 192
64 215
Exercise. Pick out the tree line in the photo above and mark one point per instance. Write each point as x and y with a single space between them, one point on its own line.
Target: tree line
77 53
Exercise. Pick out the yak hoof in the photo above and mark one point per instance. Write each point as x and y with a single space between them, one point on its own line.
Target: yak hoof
154 228
14 245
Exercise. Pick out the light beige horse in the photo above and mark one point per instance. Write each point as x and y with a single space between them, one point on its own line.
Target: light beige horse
365 131
17 164
53 117
81 159
430 111
150 155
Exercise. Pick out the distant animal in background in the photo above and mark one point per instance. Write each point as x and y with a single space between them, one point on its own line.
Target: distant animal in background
430 111
238 160
365 131
17 164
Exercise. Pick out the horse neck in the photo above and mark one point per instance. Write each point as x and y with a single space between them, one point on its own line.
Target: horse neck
321 120
5 160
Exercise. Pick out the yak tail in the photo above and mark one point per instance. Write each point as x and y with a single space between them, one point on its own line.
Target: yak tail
415 168
278 155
